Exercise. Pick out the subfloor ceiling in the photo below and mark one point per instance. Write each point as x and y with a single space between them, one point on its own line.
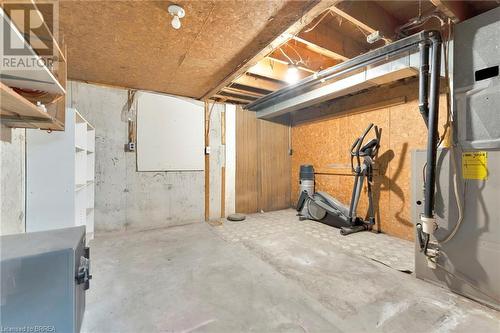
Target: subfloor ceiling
132 43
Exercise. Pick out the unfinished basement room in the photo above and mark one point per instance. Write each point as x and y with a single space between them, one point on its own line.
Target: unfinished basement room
250 166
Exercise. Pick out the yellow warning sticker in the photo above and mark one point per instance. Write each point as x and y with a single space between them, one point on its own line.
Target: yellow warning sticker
475 165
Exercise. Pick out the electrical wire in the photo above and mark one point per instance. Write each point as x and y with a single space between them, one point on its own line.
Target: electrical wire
450 122
297 53
418 21
457 199
362 31
296 63
286 56
328 11
449 118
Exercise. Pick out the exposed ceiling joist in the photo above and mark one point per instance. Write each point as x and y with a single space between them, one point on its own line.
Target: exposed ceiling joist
228 99
246 92
455 10
299 53
274 69
254 82
287 62
325 39
316 7
368 16
237 96
251 89
321 50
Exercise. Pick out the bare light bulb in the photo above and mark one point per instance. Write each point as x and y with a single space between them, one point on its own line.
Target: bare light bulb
177 12
292 74
176 22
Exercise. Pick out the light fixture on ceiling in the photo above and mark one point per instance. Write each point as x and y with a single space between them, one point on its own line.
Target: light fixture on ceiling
292 74
177 12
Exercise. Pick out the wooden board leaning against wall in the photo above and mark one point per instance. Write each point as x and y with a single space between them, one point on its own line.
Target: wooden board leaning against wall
325 142
262 164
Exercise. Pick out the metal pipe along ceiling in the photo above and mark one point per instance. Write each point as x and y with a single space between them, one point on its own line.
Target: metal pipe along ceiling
428 95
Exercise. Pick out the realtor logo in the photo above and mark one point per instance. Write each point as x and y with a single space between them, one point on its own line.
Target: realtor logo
28 31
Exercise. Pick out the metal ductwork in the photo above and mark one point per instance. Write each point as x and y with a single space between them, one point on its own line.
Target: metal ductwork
419 53
383 65
404 66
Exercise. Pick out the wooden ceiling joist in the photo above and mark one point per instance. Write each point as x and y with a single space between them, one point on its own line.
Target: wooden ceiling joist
456 10
368 16
328 41
246 88
308 58
286 62
252 81
315 8
245 92
273 69
321 50
229 99
237 96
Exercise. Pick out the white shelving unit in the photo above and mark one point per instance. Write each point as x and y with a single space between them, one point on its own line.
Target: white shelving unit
90 178
40 77
60 176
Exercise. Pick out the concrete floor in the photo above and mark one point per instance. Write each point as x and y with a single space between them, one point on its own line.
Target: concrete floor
192 279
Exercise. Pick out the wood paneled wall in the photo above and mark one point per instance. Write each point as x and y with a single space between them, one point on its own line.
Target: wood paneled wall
247 188
327 141
262 164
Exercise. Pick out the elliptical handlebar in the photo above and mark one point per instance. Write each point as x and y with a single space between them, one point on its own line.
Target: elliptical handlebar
358 144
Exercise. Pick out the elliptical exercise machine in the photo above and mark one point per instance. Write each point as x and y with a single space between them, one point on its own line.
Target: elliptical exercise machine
322 207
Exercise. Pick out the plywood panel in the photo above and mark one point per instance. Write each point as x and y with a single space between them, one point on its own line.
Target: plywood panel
274 161
136 37
262 164
246 162
326 142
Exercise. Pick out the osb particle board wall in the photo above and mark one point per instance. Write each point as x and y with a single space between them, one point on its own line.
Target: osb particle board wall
262 164
327 141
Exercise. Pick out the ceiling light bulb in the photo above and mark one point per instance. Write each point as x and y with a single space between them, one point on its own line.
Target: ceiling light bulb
176 22
292 74
177 12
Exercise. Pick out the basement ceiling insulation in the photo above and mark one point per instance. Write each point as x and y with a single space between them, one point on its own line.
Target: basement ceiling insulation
132 44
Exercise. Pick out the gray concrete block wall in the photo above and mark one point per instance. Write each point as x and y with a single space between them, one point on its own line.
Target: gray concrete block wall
12 173
125 198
